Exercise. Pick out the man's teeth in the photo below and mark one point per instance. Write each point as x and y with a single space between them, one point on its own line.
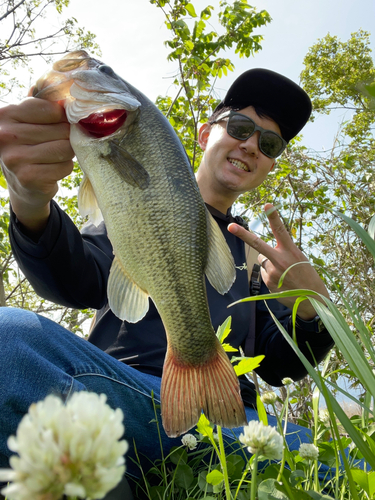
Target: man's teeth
239 164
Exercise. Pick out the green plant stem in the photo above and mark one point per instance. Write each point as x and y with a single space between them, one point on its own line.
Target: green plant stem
240 482
283 433
287 487
282 465
223 462
160 440
141 468
316 477
254 473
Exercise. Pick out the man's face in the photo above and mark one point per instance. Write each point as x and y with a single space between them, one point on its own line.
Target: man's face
231 164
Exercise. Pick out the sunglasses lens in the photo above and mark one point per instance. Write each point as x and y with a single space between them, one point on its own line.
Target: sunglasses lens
271 144
240 127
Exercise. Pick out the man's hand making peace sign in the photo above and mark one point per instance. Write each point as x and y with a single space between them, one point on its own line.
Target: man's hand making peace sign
276 260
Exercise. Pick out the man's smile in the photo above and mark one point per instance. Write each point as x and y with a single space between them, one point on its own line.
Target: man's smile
239 164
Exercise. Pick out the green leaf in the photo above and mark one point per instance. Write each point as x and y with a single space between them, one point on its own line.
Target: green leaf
346 342
224 330
189 45
235 465
178 456
202 483
215 477
190 8
268 491
371 89
184 476
262 414
367 240
317 496
204 427
229 348
247 365
296 477
371 228
292 493
3 182
206 13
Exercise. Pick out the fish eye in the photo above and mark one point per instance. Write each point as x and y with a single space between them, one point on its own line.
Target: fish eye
106 69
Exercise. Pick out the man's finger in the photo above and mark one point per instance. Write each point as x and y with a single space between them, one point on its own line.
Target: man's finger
277 226
262 260
32 110
252 240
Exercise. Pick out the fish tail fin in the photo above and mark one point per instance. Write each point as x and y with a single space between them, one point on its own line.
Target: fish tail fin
188 389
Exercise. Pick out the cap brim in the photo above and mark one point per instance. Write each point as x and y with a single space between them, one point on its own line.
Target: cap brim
279 97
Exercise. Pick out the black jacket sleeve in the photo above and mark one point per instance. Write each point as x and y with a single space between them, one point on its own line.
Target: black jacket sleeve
65 266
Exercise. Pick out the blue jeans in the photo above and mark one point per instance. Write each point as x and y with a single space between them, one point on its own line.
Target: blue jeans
39 357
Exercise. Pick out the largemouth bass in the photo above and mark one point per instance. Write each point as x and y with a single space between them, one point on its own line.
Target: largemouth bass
138 176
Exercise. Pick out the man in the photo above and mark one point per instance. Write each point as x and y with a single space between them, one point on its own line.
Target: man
261 112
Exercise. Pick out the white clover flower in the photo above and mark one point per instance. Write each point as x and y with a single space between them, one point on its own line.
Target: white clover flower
269 398
287 381
262 439
309 451
190 441
71 449
352 446
324 416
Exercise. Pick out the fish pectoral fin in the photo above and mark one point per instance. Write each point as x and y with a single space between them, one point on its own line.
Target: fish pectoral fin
127 166
220 269
127 301
87 202
188 389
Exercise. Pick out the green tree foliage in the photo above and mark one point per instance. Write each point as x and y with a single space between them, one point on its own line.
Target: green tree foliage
198 50
336 74
23 36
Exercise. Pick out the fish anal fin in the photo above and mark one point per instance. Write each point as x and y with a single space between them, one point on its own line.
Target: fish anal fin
127 166
186 390
87 202
126 299
220 269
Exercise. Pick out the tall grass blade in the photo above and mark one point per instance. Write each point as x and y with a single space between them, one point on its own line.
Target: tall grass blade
338 411
364 235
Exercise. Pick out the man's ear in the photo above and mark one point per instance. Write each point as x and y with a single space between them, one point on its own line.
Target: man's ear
204 133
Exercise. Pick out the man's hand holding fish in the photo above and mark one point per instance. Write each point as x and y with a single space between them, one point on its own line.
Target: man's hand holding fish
36 154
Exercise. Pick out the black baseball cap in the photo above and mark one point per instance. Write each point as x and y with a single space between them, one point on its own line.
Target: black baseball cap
280 98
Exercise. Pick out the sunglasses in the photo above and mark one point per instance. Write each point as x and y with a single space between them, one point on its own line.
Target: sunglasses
242 127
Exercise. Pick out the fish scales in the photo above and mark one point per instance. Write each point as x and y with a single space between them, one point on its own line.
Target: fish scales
164 239
166 283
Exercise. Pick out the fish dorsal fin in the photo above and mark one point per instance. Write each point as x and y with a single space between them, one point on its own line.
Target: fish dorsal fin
220 269
87 202
127 166
127 301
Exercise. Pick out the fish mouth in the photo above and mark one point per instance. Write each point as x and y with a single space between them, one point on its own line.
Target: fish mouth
104 123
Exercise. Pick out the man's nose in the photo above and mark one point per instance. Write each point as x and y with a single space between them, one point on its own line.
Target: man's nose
251 145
